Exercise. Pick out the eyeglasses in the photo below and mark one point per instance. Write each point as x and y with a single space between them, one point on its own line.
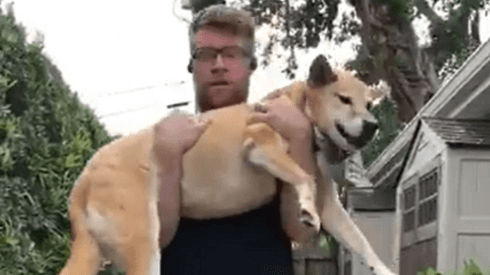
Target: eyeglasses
209 54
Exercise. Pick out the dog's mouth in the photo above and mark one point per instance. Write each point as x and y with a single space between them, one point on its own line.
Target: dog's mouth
320 135
350 139
333 153
355 141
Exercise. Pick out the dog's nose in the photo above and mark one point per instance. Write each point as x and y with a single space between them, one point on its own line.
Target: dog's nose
368 130
369 127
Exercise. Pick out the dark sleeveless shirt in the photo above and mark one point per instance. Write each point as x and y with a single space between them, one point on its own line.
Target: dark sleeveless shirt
250 243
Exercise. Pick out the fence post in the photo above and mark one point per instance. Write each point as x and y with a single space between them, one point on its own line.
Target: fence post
314 261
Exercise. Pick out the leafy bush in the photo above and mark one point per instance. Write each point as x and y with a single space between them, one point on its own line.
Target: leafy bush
389 126
469 269
46 137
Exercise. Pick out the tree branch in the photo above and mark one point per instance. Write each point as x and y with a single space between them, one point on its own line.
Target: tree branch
292 59
475 24
423 8
362 6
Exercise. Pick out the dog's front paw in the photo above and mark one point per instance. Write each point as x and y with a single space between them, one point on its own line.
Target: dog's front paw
376 269
308 214
310 219
381 270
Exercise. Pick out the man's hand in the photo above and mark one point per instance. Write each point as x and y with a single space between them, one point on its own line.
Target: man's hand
284 118
174 136
288 120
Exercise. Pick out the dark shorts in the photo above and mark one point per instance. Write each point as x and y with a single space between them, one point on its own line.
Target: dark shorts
251 243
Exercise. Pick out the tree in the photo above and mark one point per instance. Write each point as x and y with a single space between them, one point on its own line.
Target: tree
197 5
389 49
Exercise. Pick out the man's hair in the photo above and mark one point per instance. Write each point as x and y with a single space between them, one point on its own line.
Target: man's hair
238 22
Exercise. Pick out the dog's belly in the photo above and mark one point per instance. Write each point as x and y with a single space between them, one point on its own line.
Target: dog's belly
217 181
226 194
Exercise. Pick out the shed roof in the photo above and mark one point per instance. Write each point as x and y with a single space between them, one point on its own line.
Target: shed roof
461 132
464 95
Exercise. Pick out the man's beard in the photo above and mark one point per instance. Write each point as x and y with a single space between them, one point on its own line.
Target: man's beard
204 103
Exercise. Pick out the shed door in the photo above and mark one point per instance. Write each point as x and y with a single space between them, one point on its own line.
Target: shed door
473 236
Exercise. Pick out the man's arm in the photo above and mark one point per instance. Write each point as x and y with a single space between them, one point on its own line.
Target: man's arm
169 201
287 119
292 125
173 137
300 150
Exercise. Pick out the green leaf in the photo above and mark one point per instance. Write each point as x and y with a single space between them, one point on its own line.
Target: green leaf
73 161
323 241
3 81
471 268
8 241
428 271
9 35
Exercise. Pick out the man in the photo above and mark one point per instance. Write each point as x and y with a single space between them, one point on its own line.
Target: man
222 41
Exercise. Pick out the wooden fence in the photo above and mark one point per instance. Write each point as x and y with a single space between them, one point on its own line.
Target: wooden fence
314 261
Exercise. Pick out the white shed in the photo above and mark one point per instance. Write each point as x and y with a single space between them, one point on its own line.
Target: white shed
444 196
439 165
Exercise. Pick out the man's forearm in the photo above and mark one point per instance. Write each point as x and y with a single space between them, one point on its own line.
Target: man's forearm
168 180
300 150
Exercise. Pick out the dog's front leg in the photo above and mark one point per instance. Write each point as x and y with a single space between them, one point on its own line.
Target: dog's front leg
265 148
337 222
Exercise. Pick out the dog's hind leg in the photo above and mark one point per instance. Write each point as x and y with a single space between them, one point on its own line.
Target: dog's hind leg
133 234
265 148
337 222
141 258
84 258
141 250
85 255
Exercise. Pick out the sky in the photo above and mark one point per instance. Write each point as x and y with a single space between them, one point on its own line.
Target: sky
128 60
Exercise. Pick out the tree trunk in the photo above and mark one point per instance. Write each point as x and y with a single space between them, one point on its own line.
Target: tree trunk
390 52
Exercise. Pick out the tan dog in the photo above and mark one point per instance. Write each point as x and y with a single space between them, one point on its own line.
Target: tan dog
231 169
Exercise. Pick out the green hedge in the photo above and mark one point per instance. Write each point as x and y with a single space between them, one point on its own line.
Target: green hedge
46 137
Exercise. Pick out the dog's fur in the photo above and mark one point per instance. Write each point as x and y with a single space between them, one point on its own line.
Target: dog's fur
231 169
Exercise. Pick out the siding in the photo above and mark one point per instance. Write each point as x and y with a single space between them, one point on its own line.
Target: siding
417 257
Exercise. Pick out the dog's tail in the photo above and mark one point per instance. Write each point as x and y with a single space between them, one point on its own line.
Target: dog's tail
84 254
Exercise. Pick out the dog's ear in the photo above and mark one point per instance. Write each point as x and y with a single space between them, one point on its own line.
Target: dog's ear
321 73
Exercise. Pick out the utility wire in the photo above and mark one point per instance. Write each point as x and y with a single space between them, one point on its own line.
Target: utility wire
153 106
141 89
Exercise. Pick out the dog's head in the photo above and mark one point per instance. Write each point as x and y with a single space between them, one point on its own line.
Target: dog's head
339 103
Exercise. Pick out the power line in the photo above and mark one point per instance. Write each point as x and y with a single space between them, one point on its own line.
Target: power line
142 108
127 91
141 89
130 110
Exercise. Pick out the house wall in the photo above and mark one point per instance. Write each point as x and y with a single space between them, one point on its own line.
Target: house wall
427 147
465 214
418 256
378 227
418 246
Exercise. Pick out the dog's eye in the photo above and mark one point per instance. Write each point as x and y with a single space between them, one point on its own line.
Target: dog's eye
345 100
